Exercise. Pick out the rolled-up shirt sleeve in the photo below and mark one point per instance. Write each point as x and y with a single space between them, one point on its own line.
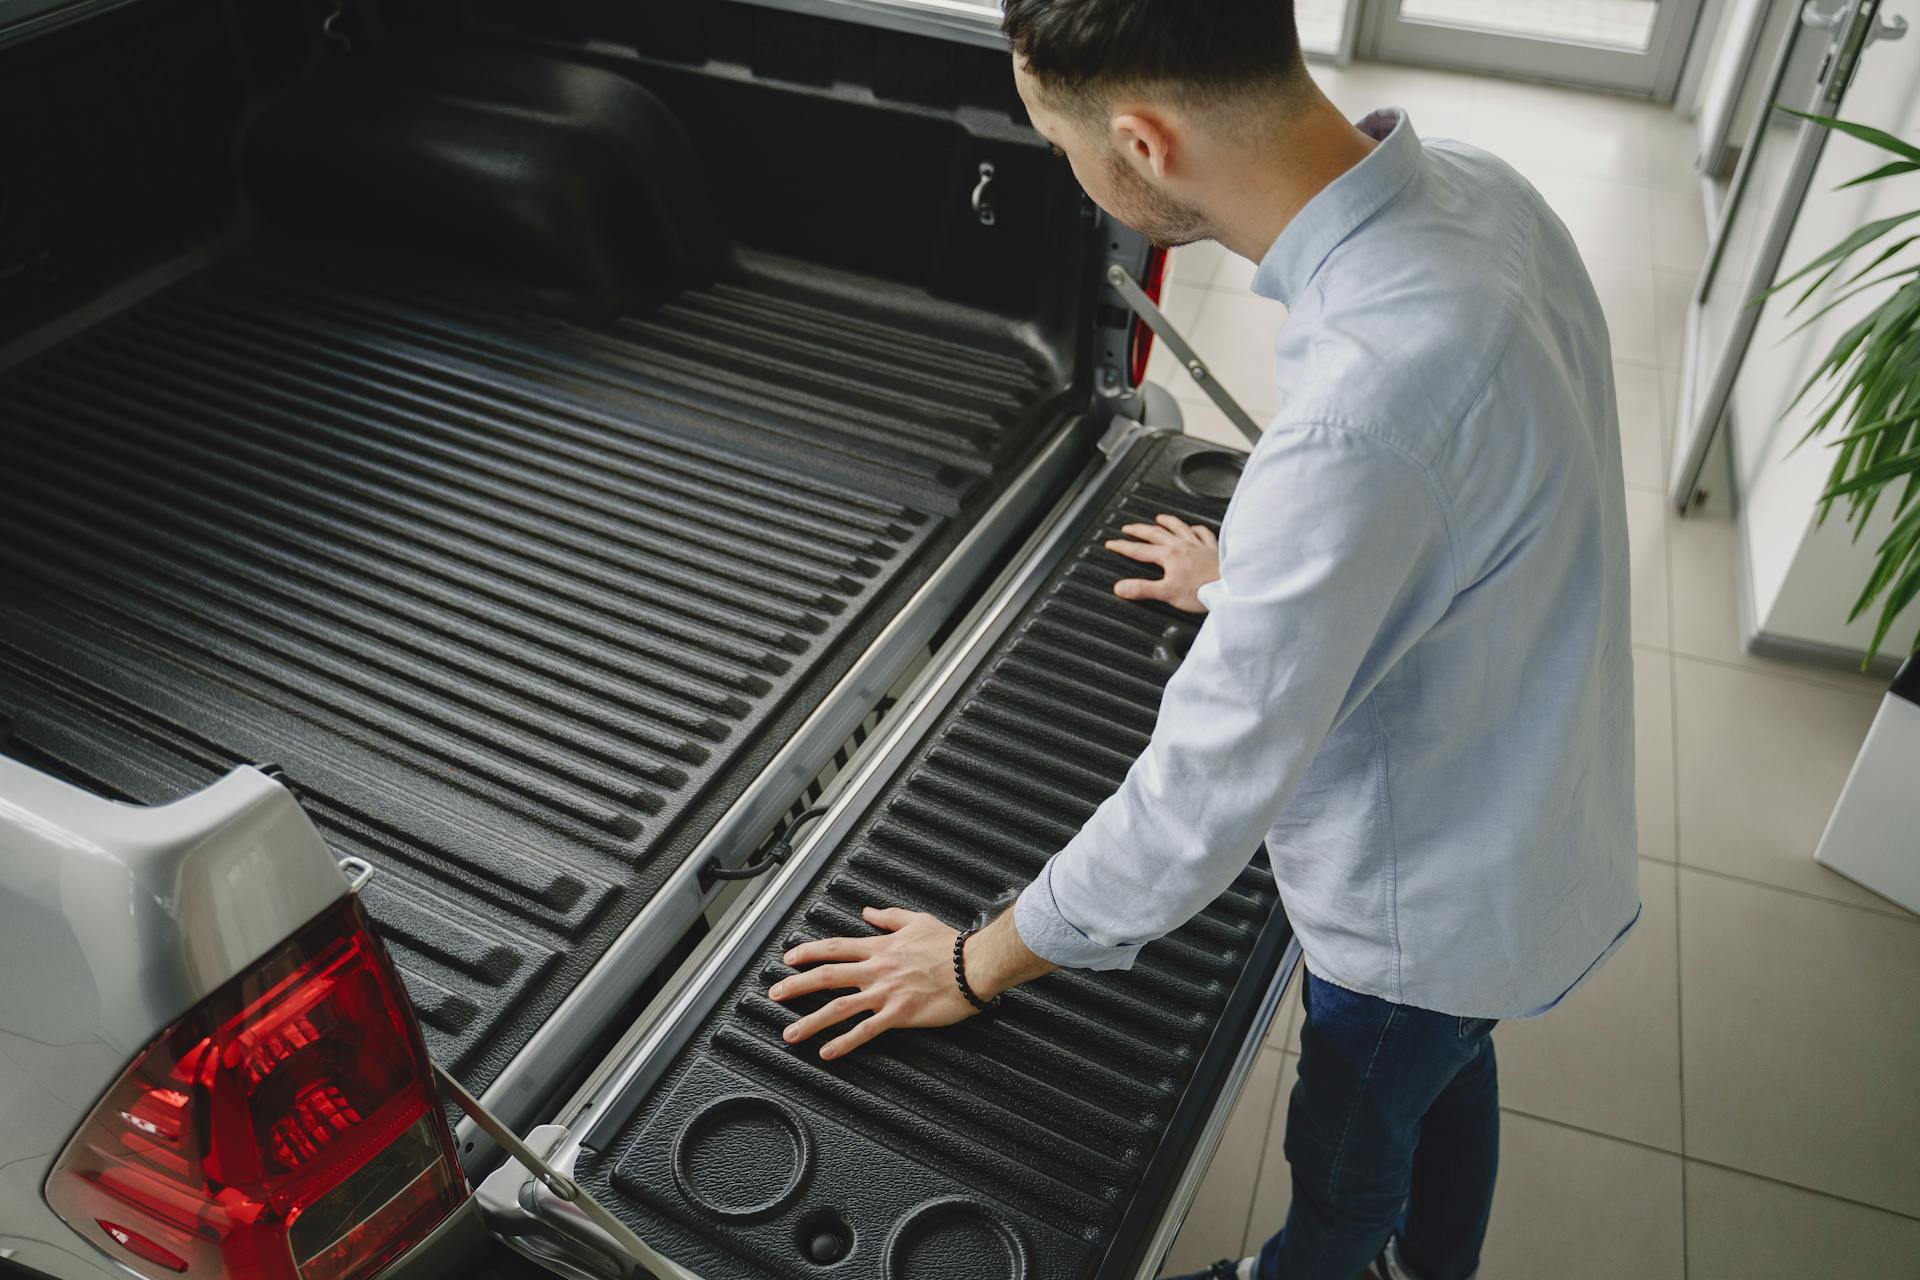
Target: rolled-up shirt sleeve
1335 559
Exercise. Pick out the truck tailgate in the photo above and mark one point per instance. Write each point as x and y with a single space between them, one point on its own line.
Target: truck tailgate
519 604
1053 1139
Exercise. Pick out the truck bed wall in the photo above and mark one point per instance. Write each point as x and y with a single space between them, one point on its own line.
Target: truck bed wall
848 145
115 140
134 138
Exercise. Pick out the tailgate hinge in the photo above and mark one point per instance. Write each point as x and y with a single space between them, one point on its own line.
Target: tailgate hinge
1120 435
582 1223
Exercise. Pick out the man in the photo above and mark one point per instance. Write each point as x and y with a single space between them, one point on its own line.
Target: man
1414 682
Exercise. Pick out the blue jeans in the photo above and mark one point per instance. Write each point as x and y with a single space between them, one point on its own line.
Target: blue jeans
1394 1126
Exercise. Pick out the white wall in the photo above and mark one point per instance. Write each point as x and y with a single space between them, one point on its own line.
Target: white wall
1803 579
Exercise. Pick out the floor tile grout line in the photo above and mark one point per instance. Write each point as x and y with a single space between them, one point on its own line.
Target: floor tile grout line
1679 999
1891 912
1266 1135
1798 1186
1712 1164
1654 1147
1790 675
1679 959
1266 1140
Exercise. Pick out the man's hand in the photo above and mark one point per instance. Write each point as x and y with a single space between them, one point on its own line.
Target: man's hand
1188 556
902 977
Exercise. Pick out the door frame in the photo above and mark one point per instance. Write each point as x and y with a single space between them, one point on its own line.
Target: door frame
1652 75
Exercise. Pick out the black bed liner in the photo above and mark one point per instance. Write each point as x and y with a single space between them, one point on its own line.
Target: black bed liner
519 604
1041 1142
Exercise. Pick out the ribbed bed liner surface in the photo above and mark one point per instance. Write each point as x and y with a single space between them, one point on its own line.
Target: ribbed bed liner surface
519 604
1029 1144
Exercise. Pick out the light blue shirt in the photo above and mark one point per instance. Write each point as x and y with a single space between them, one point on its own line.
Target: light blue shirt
1415 678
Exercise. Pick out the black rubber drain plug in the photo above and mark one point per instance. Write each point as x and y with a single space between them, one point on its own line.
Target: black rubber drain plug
825 1237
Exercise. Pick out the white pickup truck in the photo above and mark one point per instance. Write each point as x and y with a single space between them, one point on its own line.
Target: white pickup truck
475 472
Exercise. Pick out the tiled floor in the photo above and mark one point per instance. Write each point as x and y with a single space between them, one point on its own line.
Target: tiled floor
1738 1093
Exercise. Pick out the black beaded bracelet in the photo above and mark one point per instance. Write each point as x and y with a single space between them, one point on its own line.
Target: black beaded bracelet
960 972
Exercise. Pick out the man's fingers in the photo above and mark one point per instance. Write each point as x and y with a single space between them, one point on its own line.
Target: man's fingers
1144 552
1147 532
1174 525
828 977
888 918
822 950
1144 589
830 1014
862 1032
1206 535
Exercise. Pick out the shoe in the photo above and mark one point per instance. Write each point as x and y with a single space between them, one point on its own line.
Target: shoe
1225 1269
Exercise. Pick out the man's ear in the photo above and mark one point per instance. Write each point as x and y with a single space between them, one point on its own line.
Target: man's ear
1146 139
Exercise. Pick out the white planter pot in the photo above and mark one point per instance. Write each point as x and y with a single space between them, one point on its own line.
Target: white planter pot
1874 835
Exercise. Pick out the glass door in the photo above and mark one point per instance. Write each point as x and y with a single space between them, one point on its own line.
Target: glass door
1638 46
1815 64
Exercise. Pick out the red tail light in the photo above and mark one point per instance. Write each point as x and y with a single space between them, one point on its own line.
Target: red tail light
1140 337
286 1129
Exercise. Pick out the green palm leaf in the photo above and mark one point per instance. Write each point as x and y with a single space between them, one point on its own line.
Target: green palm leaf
1890 169
1865 132
1860 239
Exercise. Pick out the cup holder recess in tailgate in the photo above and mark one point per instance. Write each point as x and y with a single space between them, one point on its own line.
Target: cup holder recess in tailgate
956 1237
1210 473
742 1157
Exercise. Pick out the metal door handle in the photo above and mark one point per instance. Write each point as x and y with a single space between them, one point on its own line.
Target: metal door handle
1821 18
1887 29
1812 14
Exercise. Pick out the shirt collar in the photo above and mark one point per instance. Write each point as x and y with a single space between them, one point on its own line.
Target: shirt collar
1340 207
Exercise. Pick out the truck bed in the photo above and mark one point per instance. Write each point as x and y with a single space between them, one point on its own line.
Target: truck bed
518 603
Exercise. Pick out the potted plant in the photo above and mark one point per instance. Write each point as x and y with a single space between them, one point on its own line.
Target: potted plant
1870 406
1872 376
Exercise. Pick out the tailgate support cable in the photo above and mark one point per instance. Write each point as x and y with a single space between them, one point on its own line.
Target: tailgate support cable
638 1253
1143 306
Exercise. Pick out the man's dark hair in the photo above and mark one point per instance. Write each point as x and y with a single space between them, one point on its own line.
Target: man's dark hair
1205 50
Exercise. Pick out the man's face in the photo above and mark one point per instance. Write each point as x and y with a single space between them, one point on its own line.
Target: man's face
1109 174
